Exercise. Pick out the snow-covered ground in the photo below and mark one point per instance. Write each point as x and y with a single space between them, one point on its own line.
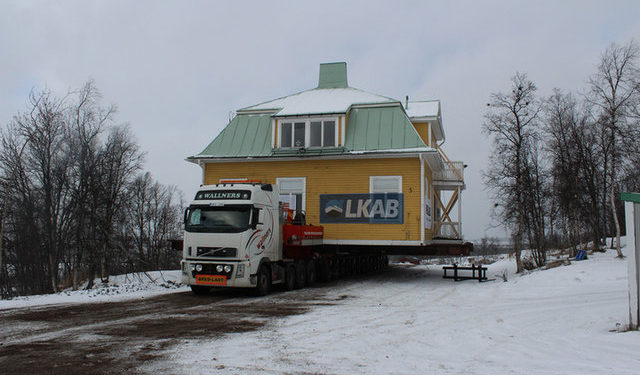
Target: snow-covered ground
564 320
121 287
558 321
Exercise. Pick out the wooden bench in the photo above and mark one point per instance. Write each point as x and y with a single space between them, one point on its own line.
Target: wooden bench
477 273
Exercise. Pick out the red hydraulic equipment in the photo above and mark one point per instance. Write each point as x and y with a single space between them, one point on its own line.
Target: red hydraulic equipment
298 239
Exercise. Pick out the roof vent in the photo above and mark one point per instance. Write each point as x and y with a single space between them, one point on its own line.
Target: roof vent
333 75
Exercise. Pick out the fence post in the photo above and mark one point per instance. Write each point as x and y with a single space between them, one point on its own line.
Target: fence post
632 217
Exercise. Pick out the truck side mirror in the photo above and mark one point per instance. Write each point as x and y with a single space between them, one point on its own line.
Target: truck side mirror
186 215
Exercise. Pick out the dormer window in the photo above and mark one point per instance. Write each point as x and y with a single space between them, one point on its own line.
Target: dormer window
313 132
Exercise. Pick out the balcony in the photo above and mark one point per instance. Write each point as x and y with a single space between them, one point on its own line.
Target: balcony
451 176
449 230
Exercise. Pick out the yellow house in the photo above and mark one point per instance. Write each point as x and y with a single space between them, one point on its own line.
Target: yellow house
367 168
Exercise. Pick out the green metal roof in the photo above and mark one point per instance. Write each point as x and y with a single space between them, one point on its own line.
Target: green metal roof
375 123
380 128
245 135
630 197
368 130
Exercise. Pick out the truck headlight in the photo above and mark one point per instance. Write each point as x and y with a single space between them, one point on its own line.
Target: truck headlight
227 268
240 271
219 268
191 267
198 267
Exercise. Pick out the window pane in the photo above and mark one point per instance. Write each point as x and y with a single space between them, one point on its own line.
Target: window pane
291 185
329 134
315 134
298 134
286 135
385 185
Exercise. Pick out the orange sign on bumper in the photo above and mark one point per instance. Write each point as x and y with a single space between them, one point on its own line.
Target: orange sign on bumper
211 280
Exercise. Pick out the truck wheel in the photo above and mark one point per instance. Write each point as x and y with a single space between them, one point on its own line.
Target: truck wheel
290 277
301 275
311 272
263 281
199 289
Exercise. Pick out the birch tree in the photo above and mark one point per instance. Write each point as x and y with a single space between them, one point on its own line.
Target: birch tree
511 120
615 95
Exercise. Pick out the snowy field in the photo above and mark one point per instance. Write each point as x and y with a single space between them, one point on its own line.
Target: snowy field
558 321
564 320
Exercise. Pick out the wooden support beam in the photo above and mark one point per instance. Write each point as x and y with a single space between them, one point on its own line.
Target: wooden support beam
446 158
446 211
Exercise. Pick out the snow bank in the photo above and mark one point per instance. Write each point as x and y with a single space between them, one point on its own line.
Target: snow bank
120 287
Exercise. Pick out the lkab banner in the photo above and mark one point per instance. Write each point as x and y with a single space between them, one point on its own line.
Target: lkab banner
378 208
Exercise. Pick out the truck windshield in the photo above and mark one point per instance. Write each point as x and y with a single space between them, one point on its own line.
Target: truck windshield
218 219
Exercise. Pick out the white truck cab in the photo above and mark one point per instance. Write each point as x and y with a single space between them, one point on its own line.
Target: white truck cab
230 231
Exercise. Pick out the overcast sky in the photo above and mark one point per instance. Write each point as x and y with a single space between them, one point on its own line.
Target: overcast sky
176 69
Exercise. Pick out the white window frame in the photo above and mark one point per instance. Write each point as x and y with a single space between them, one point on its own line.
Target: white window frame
280 180
307 130
372 180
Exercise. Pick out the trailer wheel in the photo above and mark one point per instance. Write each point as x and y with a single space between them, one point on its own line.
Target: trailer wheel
311 272
199 289
264 281
361 265
380 264
301 274
290 277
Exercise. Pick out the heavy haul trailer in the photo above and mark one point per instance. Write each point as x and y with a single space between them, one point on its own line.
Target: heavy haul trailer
240 235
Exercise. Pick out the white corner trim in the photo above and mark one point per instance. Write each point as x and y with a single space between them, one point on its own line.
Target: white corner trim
422 193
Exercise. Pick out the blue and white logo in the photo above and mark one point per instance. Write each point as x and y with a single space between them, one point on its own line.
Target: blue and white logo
379 208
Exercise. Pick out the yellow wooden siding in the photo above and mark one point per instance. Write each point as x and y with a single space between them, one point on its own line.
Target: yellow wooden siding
434 141
423 131
338 177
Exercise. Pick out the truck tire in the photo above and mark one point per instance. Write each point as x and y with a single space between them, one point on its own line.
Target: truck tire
311 272
263 285
301 274
199 289
290 277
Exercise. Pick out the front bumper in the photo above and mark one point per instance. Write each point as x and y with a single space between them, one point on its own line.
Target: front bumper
238 277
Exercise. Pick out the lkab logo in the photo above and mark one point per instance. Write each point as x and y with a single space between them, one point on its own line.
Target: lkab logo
379 208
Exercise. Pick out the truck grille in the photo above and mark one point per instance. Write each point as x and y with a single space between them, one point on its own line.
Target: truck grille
218 252
210 269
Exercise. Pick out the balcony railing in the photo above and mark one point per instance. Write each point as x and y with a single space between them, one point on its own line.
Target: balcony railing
449 230
452 172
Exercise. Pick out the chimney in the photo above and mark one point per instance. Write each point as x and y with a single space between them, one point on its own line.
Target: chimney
333 75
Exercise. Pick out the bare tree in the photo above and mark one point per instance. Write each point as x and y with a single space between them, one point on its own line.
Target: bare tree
120 159
86 120
615 92
66 173
511 120
155 213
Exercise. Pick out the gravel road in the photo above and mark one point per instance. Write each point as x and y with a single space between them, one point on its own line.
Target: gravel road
118 337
